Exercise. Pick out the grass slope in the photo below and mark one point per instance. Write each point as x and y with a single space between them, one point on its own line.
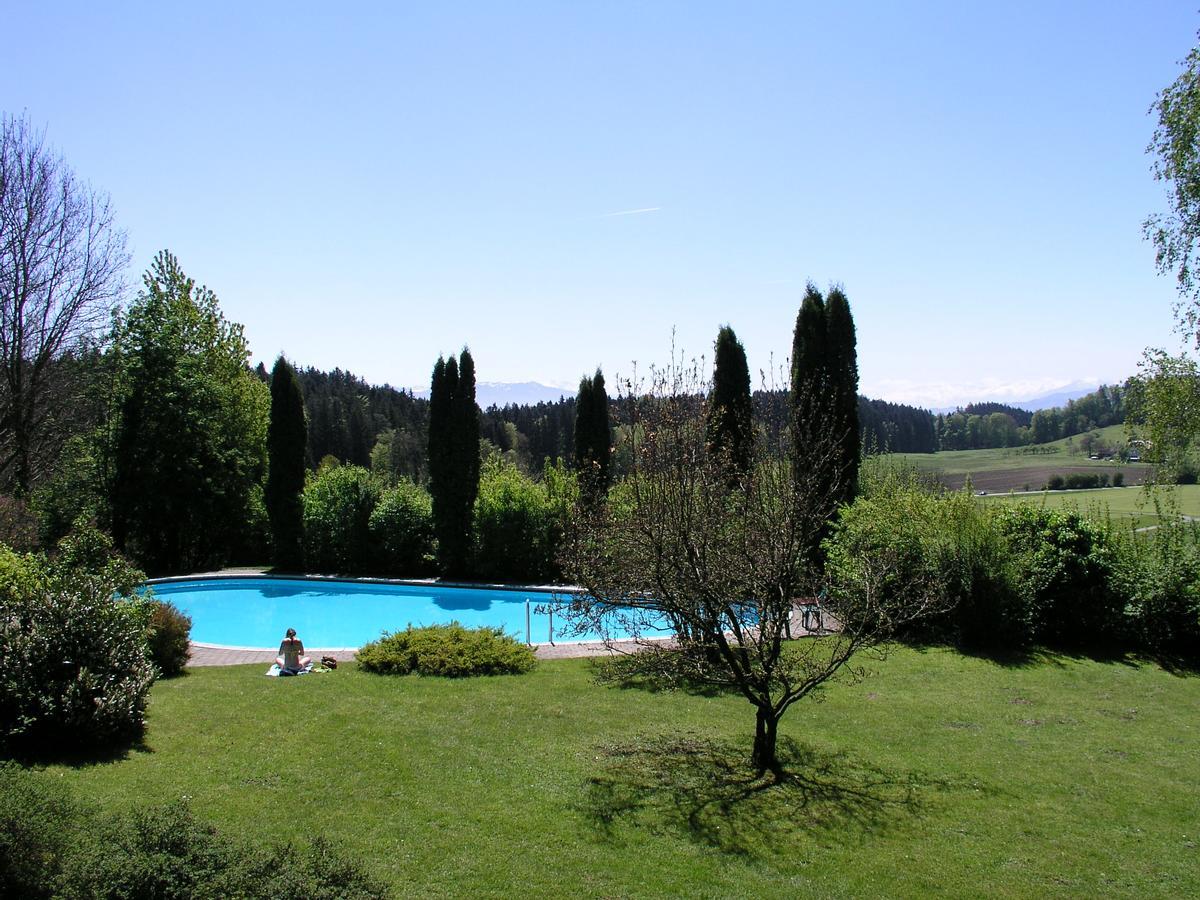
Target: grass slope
1129 504
1015 468
940 774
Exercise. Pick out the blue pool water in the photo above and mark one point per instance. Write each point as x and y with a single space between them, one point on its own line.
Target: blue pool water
255 612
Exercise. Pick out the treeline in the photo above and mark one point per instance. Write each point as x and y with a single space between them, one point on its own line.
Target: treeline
981 426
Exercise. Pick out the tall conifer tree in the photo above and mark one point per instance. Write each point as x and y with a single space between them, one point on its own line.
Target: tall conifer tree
809 395
453 459
812 409
729 427
843 365
593 436
287 439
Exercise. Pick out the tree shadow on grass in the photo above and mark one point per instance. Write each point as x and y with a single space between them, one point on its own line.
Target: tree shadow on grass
74 755
707 791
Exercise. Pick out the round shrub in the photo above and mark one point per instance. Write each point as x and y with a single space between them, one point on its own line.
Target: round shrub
167 638
402 530
448 650
338 502
74 668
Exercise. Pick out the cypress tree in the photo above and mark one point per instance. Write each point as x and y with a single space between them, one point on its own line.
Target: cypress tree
593 437
466 454
809 395
453 459
815 462
729 427
287 440
843 364
440 468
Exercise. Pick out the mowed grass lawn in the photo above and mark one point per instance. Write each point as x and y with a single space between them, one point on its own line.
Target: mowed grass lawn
939 774
1131 505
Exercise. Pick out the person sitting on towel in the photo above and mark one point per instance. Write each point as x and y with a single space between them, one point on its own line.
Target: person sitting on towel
291 658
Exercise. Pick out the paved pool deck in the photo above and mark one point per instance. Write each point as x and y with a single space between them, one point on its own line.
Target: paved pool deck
210 655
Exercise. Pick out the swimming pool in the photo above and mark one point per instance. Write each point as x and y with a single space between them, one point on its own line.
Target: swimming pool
255 612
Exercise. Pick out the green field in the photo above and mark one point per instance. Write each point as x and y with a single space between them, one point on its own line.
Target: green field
1019 468
939 774
1122 505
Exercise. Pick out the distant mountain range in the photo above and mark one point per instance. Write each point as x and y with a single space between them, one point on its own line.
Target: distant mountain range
530 393
1042 401
497 393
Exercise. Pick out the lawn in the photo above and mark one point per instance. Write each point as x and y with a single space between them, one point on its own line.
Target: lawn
938 774
1127 505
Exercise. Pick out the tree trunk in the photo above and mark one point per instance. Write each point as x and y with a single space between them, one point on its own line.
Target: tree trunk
765 731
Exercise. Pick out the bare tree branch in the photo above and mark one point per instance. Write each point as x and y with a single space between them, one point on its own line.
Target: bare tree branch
720 563
61 261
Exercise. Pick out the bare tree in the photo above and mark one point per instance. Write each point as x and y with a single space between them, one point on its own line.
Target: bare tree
61 260
721 566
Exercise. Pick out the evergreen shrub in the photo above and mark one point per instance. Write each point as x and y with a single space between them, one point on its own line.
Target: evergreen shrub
51 847
450 650
36 818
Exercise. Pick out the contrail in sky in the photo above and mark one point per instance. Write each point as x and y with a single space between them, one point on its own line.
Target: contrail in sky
631 212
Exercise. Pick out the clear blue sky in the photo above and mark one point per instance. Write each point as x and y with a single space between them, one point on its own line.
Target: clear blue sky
560 185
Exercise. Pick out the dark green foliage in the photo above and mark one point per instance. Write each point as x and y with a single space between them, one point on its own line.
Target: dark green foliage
896 428
843 367
824 401
1077 481
338 504
167 637
186 447
450 650
1056 483
1066 567
543 432
74 491
287 445
453 459
810 373
593 437
36 818
50 847
730 429
74 670
346 413
402 531
514 526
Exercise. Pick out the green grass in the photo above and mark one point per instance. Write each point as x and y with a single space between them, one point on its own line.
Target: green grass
1016 468
1123 505
940 774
